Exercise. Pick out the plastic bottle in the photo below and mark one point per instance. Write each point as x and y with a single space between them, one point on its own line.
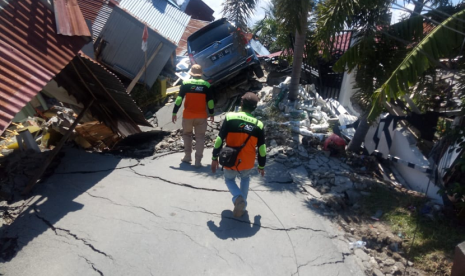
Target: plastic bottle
357 244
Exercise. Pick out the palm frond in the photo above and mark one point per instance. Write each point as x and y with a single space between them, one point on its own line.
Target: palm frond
238 11
290 13
444 41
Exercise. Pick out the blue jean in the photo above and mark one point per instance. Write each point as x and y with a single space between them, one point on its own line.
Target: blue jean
230 179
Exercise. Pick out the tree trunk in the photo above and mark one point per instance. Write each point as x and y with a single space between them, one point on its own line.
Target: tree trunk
360 133
297 62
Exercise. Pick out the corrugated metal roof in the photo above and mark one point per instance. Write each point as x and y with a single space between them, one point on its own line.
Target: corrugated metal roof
90 8
69 19
122 38
113 105
159 15
100 21
98 12
31 53
193 26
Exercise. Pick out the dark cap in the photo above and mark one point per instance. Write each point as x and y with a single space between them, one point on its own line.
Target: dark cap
250 100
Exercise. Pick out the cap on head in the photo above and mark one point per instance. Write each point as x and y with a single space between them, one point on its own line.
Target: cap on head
250 101
196 70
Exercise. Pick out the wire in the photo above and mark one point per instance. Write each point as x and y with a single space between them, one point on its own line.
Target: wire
422 51
436 10
285 230
434 21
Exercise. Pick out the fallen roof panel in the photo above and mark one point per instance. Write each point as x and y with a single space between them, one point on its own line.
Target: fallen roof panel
31 53
69 18
86 79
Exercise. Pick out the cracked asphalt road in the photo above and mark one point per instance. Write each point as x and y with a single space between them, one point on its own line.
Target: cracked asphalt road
101 215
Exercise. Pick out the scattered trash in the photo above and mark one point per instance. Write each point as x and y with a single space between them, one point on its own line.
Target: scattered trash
377 215
357 244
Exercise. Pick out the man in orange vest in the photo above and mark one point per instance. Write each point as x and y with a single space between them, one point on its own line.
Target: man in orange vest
199 98
241 129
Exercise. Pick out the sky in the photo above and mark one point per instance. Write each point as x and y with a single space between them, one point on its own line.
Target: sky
216 5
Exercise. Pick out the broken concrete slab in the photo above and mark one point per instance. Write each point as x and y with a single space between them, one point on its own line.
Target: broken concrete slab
299 176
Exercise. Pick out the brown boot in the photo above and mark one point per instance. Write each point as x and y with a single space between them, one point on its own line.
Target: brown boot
239 206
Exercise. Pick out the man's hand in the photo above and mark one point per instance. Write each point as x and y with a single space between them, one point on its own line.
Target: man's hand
215 165
174 118
262 172
212 119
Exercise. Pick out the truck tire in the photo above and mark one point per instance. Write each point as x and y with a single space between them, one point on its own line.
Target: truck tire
257 69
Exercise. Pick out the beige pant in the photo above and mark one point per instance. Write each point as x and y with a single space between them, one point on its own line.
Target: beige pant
200 127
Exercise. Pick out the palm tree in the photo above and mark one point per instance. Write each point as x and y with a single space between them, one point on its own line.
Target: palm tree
444 41
295 14
239 12
366 16
334 16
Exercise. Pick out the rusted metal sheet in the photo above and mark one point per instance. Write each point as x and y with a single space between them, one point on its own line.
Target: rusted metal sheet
90 8
193 26
97 12
86 79
31 53
69 18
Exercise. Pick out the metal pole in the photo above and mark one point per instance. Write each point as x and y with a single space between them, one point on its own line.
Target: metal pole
33 181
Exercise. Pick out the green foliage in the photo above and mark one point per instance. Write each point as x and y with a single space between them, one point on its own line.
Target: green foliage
238 11
291 13
442 42
334 16
435 238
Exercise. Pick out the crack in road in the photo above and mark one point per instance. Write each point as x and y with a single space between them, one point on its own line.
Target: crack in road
123 220
322 264
118 204
335 262
85 242
92 265
303 265
179 184
194 241
242 260
99 171
249 222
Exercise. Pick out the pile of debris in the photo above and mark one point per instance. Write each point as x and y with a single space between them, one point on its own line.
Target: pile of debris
335 186
174 142
18 168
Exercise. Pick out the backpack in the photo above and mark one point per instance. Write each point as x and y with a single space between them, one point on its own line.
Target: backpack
228 155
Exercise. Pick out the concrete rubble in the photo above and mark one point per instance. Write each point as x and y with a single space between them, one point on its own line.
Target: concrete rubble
295 134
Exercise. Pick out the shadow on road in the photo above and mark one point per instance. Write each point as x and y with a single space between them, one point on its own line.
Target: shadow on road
53 199
204 170
235 228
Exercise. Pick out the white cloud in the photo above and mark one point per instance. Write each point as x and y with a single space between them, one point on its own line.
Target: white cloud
217 6
398 12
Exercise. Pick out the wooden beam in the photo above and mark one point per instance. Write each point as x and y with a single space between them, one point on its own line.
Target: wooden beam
108 93
136 79
33 181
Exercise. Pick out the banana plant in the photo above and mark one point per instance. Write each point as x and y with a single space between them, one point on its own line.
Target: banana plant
444 41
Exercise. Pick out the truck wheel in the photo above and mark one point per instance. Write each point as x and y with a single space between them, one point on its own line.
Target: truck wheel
257 69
